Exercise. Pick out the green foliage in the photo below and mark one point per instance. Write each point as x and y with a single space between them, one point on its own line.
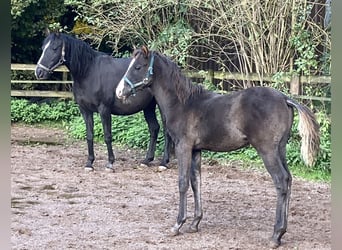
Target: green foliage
324 157
19 6
29 19
174 40
279 83
306 61
159 24
24 111
303 42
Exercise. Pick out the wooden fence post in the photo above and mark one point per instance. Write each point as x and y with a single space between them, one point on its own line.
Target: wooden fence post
295 85
210 76
65 76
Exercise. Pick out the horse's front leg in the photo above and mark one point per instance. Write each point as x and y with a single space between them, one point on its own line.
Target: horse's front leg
106 119
89 122
195 178
183 154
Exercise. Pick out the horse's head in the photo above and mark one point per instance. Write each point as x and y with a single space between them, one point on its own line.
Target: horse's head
53 55
138 75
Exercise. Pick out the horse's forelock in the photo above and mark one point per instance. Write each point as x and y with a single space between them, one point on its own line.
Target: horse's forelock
53 36
141 51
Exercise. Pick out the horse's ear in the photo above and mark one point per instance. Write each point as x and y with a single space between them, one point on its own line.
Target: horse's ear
144 49
46 31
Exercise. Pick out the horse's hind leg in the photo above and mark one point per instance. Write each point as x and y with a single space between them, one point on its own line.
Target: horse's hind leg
153 127
275 163
195 179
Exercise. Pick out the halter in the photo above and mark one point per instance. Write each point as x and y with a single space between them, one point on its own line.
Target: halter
59 63
149 73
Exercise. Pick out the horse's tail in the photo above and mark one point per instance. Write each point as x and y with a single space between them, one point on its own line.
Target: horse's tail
308 128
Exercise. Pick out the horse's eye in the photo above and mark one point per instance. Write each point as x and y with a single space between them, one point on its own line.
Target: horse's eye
137 67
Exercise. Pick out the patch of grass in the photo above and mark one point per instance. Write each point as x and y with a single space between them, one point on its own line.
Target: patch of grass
312 174
248 158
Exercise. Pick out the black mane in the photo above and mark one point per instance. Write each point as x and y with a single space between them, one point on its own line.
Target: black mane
79 55
185 89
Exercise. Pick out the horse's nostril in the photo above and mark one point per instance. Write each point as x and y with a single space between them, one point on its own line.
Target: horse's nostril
39 73
118 93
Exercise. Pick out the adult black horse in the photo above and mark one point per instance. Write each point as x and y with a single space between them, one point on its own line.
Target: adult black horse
198 119
95 77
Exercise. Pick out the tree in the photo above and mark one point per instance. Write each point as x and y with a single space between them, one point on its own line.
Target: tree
29 19
120 25
245 36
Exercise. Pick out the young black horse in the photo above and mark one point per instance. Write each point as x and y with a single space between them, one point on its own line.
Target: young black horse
95 77
198 119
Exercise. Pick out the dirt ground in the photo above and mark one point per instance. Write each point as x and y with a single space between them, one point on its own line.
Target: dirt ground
56 204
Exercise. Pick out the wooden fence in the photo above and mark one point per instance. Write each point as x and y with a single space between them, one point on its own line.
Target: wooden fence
40 93
209 75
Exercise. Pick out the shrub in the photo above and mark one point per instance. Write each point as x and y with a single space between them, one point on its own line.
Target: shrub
23 110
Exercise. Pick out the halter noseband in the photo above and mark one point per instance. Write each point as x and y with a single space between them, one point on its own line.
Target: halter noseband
149 73
59 63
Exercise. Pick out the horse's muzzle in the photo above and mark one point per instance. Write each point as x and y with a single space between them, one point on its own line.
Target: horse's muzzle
40 73
121 92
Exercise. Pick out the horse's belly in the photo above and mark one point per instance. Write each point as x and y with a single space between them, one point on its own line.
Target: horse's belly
223 142
130 106
225 146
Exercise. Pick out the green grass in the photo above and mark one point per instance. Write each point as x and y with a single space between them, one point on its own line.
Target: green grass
248 159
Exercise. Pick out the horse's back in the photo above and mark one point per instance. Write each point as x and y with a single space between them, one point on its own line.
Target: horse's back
229 122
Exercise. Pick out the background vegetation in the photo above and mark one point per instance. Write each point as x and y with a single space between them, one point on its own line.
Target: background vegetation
290 37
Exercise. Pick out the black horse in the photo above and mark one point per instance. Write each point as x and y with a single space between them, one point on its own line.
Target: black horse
95 77
198 119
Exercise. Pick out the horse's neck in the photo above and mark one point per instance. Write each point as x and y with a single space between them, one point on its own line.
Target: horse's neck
174 93
166 97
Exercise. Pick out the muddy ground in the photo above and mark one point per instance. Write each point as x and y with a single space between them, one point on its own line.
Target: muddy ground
58 205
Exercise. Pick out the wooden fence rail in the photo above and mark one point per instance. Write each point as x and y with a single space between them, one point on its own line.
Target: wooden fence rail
209 75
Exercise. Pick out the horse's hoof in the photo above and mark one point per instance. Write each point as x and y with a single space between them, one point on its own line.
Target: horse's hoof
88 169
109 169
146 162
174 231
162 168
192 229
274 244
144 165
